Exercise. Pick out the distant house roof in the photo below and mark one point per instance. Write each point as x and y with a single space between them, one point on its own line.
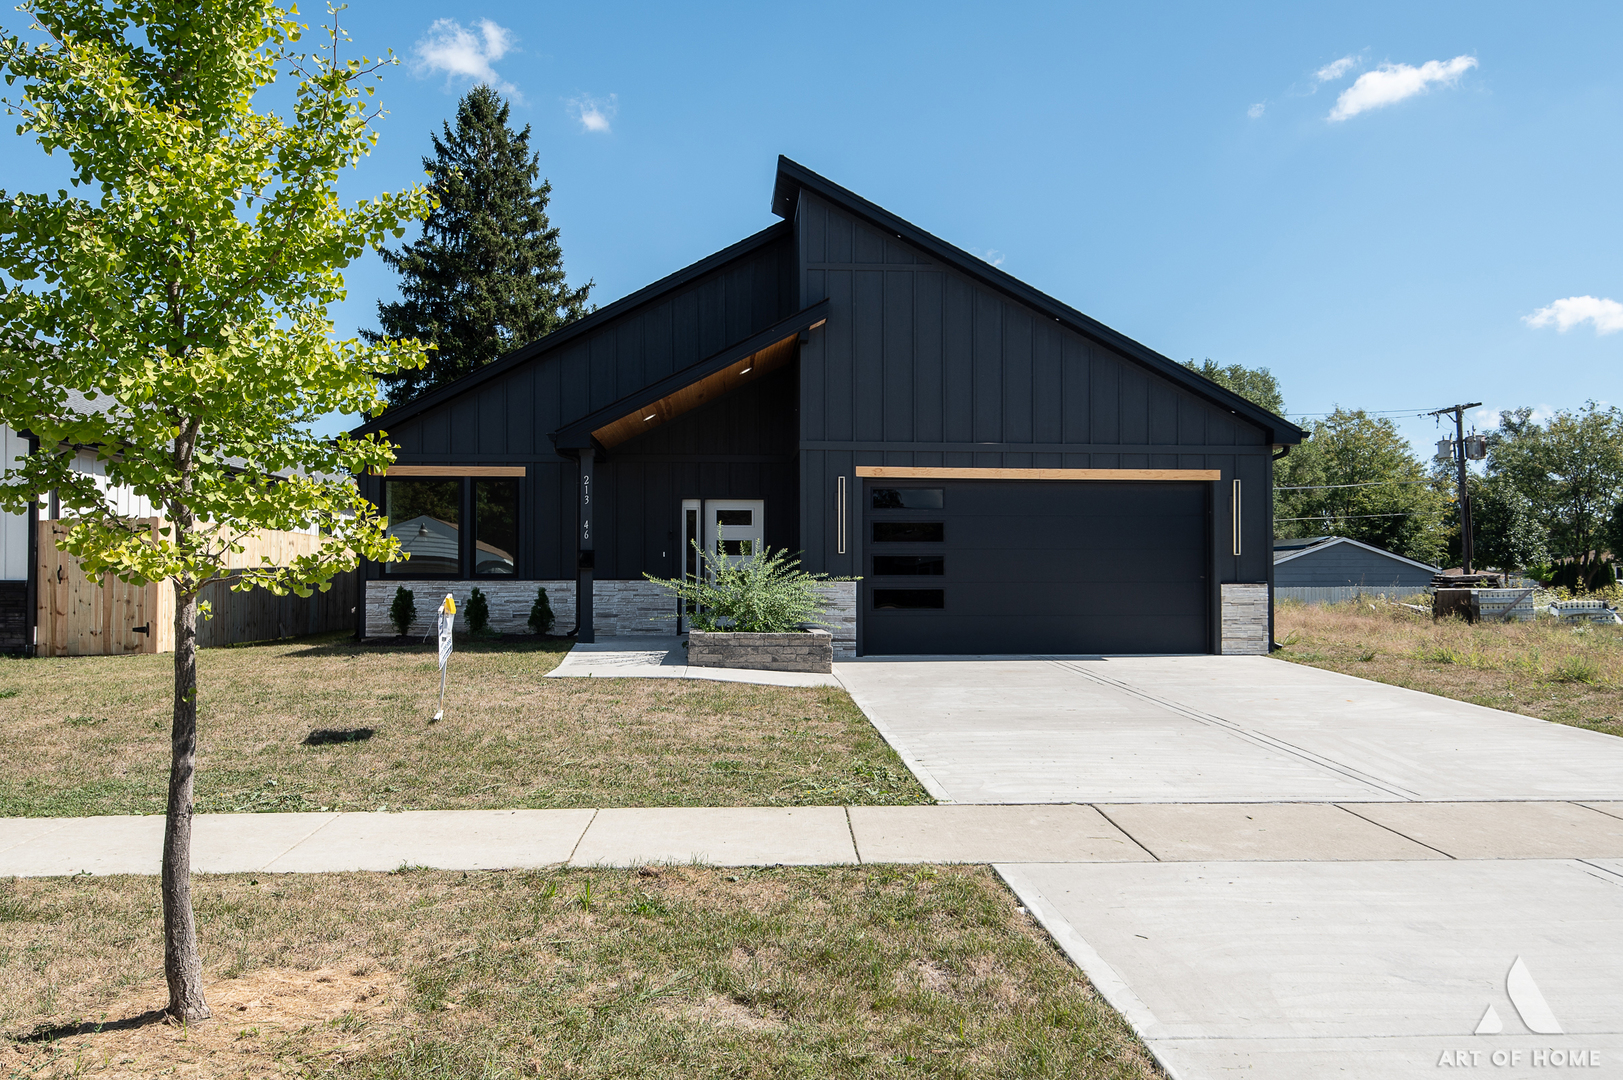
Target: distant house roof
1286 550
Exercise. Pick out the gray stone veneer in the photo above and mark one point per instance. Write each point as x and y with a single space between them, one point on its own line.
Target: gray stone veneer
808 651
618 607
1245 620
841 617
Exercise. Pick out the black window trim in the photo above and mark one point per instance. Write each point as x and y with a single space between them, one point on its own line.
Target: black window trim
465 533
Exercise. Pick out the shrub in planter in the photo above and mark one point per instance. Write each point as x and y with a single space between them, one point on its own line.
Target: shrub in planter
541 616
403 612
766 594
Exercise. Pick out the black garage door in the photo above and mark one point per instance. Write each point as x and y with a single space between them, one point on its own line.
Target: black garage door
1034 566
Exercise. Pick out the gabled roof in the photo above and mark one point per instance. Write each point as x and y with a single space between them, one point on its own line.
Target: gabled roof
1325 543
794 178
524 354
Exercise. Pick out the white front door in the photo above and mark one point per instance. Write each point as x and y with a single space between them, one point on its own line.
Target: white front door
740 525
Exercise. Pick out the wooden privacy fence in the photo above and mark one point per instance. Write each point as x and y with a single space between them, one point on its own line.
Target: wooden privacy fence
77 616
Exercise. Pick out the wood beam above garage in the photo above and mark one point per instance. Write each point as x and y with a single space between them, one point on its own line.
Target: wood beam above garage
906 472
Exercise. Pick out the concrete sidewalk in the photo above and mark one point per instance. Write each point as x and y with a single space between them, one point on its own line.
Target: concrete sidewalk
825 835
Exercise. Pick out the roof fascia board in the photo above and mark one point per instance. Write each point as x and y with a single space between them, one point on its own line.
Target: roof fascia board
525 353
577 435
1328 544
1280 431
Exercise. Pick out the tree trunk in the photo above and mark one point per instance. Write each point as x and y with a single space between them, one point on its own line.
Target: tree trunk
181 964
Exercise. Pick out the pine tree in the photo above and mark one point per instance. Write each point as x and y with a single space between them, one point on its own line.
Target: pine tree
487 276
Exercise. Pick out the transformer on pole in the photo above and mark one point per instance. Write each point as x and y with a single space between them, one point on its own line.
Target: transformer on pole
1458 450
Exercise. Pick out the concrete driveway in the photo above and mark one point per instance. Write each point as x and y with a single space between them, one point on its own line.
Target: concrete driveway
1211 729
1343 879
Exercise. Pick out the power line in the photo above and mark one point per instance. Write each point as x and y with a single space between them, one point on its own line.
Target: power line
1370 483
1345 517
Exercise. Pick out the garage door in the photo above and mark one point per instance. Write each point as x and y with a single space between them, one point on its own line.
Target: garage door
1034 566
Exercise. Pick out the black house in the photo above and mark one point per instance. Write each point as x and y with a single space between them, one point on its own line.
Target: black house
1003 473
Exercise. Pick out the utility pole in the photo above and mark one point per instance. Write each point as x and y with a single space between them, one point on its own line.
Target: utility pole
1459 461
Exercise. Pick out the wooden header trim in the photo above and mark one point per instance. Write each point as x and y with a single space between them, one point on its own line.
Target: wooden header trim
450 470
905 472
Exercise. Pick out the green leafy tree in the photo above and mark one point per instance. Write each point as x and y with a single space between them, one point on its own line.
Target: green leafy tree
182 289
488 273
1357 476
1570 470
1256 385
1505 528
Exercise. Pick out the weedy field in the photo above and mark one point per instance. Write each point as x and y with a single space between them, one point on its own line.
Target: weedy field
331 724
1565 673
859 972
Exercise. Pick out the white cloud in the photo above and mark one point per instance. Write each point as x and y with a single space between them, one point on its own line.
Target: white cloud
991 255
1332 72
1392 83
1606 315
465 54
1256 110
594 114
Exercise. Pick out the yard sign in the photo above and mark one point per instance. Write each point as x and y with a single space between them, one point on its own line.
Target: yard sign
447 617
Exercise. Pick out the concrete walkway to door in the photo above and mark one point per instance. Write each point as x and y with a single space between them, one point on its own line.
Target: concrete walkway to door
1305 955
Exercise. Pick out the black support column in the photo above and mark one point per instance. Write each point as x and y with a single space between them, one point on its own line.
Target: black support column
585 552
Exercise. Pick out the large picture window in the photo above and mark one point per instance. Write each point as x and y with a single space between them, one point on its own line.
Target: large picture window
425 516
495 527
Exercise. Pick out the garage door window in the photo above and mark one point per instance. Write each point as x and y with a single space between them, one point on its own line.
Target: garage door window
908 599
909 532
896 565
908 498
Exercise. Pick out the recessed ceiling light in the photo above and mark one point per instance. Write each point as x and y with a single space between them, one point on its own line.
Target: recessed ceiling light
649 417
747 370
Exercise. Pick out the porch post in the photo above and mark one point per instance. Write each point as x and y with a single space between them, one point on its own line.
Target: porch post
585 554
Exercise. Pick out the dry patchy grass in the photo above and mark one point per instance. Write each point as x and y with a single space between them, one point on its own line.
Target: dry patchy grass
667 971
1568 674
90 735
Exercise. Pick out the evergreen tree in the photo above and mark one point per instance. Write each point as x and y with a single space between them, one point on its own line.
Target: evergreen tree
487 276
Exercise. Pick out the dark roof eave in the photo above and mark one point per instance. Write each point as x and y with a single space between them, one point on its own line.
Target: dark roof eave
792 177
440 394
578 434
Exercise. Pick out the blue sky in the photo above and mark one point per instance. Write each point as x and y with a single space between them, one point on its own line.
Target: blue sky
1375 201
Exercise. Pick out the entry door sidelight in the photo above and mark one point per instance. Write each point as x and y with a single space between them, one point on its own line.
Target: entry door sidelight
740 524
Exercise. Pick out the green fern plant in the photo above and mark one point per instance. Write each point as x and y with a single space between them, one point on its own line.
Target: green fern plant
765 594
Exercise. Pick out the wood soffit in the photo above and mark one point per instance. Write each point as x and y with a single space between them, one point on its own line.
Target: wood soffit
398 471
690 397
905 472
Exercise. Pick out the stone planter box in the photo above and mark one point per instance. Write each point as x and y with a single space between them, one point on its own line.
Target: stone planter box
811 650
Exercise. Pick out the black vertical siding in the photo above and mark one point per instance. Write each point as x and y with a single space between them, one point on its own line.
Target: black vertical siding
742 446
920 364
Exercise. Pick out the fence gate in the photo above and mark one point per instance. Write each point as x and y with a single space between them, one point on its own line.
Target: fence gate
79 616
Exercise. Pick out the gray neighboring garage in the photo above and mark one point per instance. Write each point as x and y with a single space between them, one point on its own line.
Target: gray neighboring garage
1331 562
1035 566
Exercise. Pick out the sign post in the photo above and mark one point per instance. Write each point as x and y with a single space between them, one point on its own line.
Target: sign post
447 617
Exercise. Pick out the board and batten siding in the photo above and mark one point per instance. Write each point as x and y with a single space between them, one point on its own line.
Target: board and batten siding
507 420
921 365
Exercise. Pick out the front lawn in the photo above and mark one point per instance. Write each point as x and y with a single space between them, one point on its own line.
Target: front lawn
330 724
1565 673
670 972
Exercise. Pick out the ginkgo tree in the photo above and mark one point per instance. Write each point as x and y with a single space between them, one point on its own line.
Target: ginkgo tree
169 312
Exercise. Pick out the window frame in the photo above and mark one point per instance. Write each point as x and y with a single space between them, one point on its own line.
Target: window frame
467 528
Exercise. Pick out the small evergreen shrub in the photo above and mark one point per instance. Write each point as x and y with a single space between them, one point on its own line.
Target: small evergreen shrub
541 616
768 594
403 612
478 612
